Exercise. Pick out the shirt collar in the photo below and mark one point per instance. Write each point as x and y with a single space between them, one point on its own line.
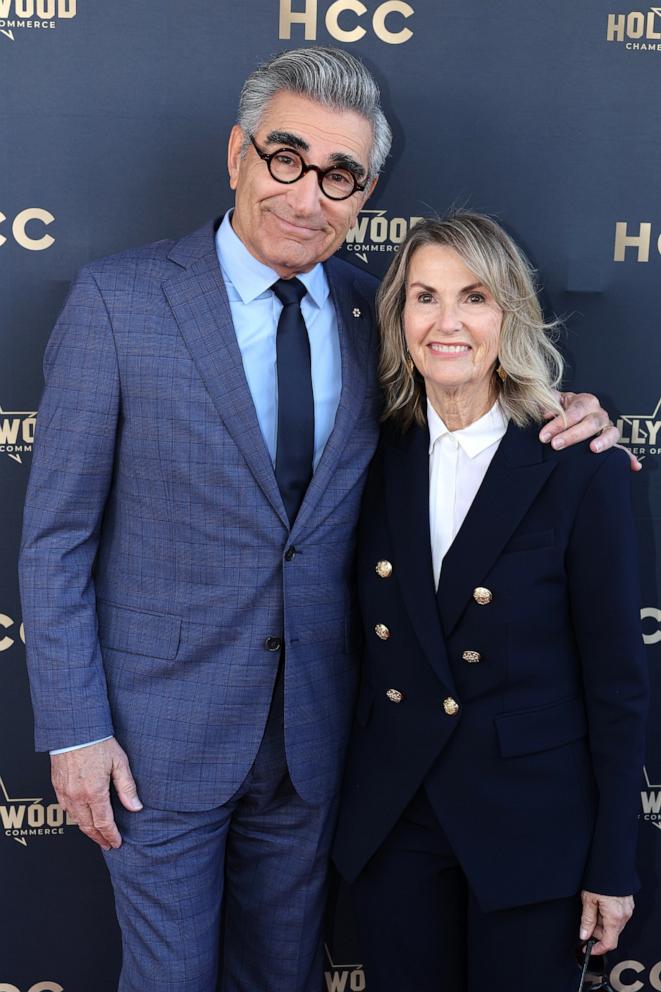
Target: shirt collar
250 277
475 438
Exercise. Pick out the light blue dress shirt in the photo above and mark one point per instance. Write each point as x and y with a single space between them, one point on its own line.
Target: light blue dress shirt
255 312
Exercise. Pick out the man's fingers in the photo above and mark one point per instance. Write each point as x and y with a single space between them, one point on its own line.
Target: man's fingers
83 817
563 436
582 412
607 438
104 822
125 786
635 465
81 778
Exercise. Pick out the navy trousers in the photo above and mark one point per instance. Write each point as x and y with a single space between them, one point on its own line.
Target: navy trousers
421 929
233 895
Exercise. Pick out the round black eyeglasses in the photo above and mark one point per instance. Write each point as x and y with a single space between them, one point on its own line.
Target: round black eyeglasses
287 166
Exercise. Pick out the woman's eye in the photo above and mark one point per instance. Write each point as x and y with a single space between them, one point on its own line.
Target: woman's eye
476 298
425 298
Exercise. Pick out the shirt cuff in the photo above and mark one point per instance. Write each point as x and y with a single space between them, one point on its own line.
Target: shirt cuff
78 747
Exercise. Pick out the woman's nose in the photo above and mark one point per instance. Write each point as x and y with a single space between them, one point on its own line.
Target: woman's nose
448 318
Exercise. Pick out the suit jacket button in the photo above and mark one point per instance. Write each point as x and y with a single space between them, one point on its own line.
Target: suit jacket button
272 643
383 569
394 695
451 706
290 554
482 596
382 631
471 656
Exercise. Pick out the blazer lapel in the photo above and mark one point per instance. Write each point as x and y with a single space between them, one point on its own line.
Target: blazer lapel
516 474
200 306
354 331
406 481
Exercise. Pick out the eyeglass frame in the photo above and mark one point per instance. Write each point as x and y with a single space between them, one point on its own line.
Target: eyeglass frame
305 168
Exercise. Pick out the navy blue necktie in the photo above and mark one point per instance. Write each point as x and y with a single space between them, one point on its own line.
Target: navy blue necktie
295 446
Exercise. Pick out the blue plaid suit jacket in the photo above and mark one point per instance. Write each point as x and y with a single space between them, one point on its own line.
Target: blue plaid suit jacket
153 564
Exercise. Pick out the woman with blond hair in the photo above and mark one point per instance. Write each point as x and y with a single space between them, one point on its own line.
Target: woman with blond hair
488 820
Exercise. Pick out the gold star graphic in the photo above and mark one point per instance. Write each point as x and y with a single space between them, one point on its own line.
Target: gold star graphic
32 801
631 418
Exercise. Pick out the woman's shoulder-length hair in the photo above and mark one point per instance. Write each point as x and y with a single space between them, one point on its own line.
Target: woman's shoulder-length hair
531 365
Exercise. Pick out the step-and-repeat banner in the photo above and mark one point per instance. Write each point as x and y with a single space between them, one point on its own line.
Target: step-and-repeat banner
113 127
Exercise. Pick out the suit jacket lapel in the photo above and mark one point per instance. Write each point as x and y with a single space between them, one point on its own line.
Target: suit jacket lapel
354 332
406 479
200 306
516 474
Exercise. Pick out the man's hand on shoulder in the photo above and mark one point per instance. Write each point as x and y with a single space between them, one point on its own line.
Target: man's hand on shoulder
584 417
81 779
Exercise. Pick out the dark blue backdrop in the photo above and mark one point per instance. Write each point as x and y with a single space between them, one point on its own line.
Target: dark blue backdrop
112 133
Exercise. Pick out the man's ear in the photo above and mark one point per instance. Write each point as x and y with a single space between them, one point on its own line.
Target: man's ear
234 148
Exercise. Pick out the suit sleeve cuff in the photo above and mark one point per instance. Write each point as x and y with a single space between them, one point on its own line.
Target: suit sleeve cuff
78 747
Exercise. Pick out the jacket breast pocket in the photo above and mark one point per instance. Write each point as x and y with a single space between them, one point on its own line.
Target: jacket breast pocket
155 635
531 541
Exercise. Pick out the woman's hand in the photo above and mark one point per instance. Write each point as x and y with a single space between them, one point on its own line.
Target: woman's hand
604 917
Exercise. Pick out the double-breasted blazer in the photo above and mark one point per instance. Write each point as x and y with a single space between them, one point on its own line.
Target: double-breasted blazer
159 573
520 688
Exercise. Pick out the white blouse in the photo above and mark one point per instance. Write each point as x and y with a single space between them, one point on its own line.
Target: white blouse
458 461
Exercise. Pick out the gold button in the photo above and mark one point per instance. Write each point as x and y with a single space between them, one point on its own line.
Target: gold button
451 706
394 695
471 656
383 569
482 596
382 631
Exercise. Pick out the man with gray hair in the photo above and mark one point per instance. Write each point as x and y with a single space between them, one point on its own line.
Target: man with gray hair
188 541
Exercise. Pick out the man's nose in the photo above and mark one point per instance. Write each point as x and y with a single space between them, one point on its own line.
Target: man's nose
305 195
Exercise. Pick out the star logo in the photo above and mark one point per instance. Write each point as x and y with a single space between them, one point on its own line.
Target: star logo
651 801
17 432
12 811
641 431
339 977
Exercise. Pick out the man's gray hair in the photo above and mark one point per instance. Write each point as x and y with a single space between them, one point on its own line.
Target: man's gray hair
328 76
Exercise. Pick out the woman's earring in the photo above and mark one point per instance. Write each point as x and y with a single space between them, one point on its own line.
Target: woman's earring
501 373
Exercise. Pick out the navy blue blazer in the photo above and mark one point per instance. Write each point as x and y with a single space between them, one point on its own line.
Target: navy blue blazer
535 778
159 572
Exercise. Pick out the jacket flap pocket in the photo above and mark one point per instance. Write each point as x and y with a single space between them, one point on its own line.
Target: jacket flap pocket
531 540
151 634
541 728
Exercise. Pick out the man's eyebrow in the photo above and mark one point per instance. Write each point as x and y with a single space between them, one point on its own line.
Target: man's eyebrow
339 159
287 138
343 161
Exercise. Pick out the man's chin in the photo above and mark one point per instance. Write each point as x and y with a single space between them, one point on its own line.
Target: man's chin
300 261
